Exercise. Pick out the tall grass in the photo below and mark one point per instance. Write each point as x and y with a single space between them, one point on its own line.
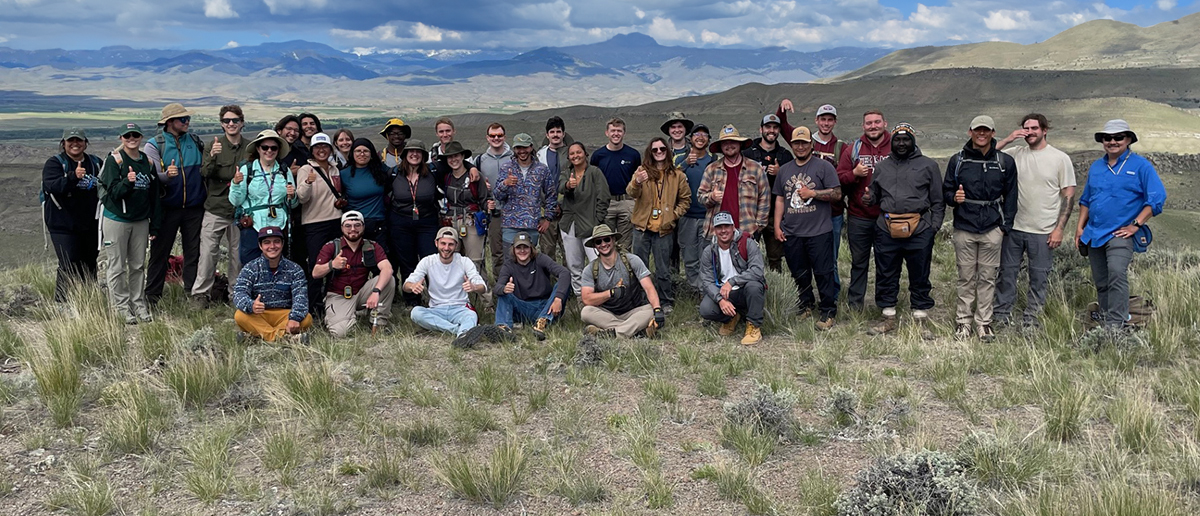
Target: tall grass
59 379
494 481
136 416
200 377
309 390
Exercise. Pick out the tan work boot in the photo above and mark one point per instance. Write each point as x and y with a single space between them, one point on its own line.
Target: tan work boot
887 325
753 335
651 329
825 323
727 328
539 328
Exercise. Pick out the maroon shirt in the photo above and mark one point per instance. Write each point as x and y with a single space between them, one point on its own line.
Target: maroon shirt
729 201
354 275
827 151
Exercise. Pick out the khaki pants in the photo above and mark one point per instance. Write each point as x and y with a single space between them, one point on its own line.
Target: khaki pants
124 245
473 243
626 325
548 243
214 229
340 313
620 219
978 259
270 324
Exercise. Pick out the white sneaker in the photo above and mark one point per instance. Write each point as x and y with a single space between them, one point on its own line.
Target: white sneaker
889 311
920 315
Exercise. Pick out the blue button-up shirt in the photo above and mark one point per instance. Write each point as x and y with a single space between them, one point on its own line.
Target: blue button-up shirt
1114 195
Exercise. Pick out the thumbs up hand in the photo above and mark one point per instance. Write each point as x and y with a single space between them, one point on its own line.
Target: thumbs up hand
216 147
467 286
960 196
79 170
172 170
237 177
132 176
510 286
258 305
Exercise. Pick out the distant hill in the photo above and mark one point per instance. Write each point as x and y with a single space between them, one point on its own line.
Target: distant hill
1095 45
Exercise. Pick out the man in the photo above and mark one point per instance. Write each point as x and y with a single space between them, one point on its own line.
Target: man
736 185
803 192
1046 186
554 154
349 262
734 285
444 127
489 162
289 129
908 193
677 128
450 277
691 225
618 161
221 162
981 185
271 293
767 152
828 147
856 170
177 156
396 133
618 294
528 191
532 286
309 126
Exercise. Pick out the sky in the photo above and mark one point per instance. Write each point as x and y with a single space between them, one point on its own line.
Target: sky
386 25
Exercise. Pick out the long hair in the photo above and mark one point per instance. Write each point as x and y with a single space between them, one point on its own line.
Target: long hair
285 120
339 133
300 120
512 253
375 166
405 167
648 160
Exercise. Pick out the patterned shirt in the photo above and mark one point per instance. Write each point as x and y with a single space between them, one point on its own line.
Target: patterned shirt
754 195
284 288
533 197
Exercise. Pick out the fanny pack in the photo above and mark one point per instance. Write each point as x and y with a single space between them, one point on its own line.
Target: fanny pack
1142 239
902 225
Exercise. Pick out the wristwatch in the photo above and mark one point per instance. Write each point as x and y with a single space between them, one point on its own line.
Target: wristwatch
376 290
1136 223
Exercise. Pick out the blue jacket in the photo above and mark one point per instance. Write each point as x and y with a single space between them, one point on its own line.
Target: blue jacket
534 197
286 288
1115 195
187 152
260 190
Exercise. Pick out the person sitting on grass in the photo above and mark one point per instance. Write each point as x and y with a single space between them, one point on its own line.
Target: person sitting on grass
451 277
618 293
350 261
734 284
530 286
271 293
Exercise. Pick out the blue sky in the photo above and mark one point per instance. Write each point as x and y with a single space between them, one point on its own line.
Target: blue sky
381 25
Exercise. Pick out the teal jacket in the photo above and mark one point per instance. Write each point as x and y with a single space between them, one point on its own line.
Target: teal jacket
259 191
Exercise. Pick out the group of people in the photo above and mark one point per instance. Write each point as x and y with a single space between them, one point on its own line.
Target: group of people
321 226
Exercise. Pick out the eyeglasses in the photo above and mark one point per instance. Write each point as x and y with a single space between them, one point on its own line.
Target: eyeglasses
604 240
362 150
230 121
493 136
1113 137
184 119
658 150
268 148
131 136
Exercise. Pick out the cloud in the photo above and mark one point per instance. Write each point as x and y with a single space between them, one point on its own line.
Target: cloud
286 6
231 44
664 29
430 33
930 17
639 13
712 38
219 9
1007 20
895 33
1165 5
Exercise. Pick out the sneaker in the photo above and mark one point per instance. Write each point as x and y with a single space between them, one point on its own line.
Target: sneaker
727 328
962 331
884 326
753 335
597 331
468 339
825 323
920 315
986 334
242 337
146 318
539 328
129 319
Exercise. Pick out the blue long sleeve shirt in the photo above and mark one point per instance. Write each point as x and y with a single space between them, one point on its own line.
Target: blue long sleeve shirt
363 193
284 288
535 195
1114 195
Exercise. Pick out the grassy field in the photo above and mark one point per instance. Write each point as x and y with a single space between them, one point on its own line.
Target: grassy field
176 417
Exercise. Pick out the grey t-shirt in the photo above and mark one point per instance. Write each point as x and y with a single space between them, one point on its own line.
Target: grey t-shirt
805 218
609 277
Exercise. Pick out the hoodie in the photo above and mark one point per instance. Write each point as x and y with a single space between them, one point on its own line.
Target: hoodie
489 164
990 184
749 269
855 186
908 185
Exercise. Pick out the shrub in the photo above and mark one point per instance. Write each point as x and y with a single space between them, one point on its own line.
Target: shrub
924 482
765 410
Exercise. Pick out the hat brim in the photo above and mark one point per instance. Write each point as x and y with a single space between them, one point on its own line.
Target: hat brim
1132 136
122 135
185 112
687 126
404 128
591 241
284 148
465 152
715 147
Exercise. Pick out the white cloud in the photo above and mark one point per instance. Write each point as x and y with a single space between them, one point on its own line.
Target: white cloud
639 13
1165 5
893 33
782 9
664 29
430 33
1005 19
286 6
712 38
231 44
929 17
219 9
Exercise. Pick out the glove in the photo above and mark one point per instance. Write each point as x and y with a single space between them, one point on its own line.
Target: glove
660 318
617 292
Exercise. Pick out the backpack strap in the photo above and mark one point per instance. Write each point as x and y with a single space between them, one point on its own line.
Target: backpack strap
624 261
855 151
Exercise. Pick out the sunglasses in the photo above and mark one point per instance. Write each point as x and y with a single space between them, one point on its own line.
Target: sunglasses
184 119
131 136
495 136
268 148
1112 138
230 121
604 240
657 150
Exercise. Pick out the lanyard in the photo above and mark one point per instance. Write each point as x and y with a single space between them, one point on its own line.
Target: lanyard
1117 172
412 189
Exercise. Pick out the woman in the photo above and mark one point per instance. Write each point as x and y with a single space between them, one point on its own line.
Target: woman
343 139
263 192
319 191
364 184
466 199
131 217
69 181
584 195
661 195
1127 191
414 217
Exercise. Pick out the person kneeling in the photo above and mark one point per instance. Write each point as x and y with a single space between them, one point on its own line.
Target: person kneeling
734 284
271 293
349 262
617 292
451 277
532 285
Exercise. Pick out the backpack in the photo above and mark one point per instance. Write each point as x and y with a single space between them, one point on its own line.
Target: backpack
161 140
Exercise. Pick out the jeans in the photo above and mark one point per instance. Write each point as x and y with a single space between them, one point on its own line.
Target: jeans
647 243
838 221
526 310
861 234
916 253
248 246
452 319
1110 273
1041 260
808 257
748 299
187 222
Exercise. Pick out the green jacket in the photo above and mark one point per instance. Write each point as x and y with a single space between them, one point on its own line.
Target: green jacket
587 204
126 201
218 174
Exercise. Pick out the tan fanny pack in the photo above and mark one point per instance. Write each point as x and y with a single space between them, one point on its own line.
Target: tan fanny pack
902 225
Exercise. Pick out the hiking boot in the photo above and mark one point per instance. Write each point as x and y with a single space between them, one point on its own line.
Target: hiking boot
825 323
146 318
753 335
962 331
803 312
986 334
884 326
504 328
727 328
468 339
597 331
199 302
651 329
539 328
242 337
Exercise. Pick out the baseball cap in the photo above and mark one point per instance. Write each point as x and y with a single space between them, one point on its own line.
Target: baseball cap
522 238
722 218
983 121
269 231
320 138
827 109
522 140
446 232
771 119
74 132
801 134
130 128
352 215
